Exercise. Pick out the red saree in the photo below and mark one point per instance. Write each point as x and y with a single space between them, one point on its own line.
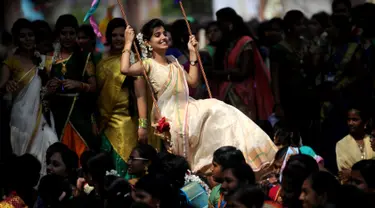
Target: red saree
254 93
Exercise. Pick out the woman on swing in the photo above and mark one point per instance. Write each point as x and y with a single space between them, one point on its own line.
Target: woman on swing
198 127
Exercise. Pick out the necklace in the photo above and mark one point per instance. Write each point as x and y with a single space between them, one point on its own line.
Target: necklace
362 150
64 69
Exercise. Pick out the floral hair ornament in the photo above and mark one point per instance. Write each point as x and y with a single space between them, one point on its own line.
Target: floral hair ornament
112 173
146 49
190 177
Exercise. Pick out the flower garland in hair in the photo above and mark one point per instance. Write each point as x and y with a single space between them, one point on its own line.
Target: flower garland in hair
190 177
142 45
112 173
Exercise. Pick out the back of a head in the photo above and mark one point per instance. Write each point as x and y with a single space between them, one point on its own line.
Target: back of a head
174 167
249 196
226 13
281 153
288 137
347 3
18 178
118 192
243 172
98 165
84 159
367 170
158 186
228 156
52 189
351 196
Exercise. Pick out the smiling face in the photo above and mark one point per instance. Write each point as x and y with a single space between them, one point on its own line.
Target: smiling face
230 183
56 165
308 196
26 39
159 39
118 39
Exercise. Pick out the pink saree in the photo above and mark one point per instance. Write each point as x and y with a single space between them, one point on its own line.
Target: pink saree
253 96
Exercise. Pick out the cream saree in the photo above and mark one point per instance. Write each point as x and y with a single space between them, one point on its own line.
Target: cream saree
348 152
199 127
29 132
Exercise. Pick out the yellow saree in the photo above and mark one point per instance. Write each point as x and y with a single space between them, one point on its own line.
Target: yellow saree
119 129
115 122
348 152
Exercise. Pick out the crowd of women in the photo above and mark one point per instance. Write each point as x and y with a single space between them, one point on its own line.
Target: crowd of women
80 122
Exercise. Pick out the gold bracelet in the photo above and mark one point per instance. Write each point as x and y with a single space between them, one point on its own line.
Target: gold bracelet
126 50
142 123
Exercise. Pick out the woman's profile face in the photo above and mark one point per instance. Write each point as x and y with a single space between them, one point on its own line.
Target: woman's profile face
159 39
136 164
68 37
118 39
56 165
217 172
26 39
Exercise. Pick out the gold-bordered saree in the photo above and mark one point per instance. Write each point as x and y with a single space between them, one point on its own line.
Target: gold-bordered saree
199 127
72 109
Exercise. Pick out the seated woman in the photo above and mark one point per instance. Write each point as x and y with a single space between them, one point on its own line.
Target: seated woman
235 177
356 146
198 127
63 162
155 191
247 196
141 157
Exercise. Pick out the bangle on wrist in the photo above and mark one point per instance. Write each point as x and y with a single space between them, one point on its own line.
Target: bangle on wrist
85 87
126 51
142 123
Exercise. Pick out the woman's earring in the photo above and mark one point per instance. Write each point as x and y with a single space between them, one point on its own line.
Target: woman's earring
146 170
149 47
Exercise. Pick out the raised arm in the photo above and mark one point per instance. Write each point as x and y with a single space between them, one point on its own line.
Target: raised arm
141 94
193 76
125 67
